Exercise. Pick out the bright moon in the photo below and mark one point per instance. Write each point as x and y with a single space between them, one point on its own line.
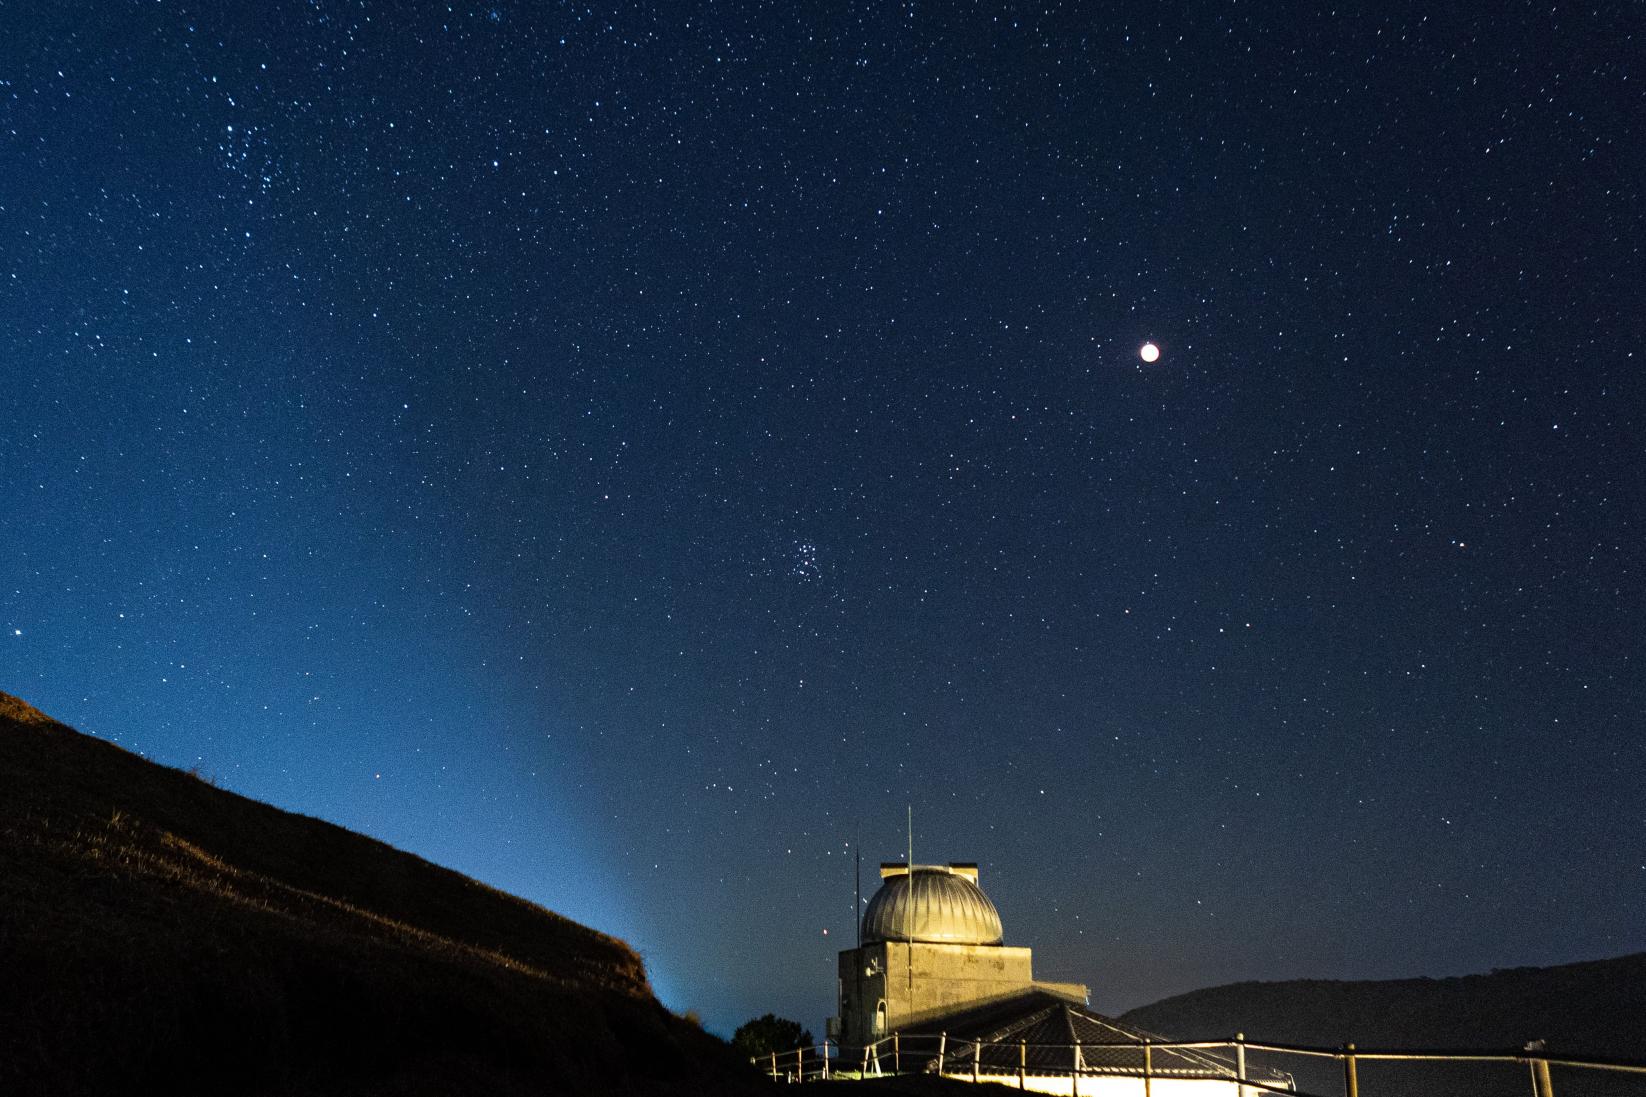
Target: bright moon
1149 353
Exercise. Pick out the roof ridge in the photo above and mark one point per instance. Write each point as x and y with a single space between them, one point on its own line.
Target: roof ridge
1021 1023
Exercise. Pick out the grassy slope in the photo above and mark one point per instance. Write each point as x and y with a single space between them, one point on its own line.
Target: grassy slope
157 933
1588 1008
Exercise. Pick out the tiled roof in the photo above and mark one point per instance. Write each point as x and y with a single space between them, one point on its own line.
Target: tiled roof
1045 1031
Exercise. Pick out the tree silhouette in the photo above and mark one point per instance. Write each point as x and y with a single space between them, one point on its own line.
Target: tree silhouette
770 1033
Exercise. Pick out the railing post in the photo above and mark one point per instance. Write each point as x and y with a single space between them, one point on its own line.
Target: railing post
1079 1065
800 1063
977 1053
865 1071
1240 1063
1148 1068
1540 1073
1351 1082
897 1053
942 1050
825 1058
774 1066
1023 1064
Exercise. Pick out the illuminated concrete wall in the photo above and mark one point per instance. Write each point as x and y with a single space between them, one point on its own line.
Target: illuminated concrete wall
893 985
1110 1086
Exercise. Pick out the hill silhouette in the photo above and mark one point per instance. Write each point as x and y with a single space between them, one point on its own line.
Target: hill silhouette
1590 1008
1585 1009
158 934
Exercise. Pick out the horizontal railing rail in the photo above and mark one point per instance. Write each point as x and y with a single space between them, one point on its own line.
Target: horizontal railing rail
1221 1061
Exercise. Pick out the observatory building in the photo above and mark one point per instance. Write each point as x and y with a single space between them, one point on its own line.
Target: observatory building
931 946
933 988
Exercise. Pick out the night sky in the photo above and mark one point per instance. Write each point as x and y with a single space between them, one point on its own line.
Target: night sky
629 454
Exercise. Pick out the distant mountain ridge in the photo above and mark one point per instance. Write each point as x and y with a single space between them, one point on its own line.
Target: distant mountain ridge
1596 1007
158 934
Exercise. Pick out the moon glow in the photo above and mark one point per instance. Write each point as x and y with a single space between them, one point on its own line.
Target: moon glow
1149 352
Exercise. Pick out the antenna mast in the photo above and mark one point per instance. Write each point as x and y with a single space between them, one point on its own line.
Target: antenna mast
908 953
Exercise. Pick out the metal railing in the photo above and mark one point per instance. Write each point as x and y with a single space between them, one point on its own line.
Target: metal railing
1225 1061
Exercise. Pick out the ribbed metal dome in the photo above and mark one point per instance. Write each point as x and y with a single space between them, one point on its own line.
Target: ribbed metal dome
934 905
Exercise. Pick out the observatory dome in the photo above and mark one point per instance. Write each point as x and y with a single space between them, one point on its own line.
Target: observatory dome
936 904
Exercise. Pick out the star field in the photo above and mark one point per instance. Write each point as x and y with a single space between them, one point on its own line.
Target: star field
628 453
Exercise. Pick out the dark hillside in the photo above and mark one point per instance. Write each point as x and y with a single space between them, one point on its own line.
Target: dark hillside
1594 1008
1587 1009
161 934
